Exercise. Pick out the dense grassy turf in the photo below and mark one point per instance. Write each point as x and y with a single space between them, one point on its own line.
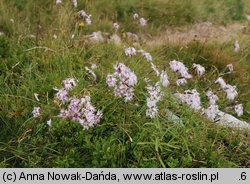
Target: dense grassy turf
125 137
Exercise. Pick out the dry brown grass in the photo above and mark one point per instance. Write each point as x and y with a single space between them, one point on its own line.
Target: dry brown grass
203 32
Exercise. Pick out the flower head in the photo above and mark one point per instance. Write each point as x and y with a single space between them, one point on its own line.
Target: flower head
82 111
230 91
116 26
164 78
239 109
143 22
230 67
58 1
154 95
62 95
49 122
200 70
191 98
130 51
212 112
146 55
122 80
181 82
221 82
88 20
69 83
36 112
83 15
135 16
236 46
179 67
212 97
93 66
74 2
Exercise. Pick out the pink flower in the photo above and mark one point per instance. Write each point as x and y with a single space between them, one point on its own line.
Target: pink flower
36 112
181 82
239 109
164 78
116 26
143 22
200 70
122 80
135 16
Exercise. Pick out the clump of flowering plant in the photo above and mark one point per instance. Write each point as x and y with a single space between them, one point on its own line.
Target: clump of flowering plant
154 95
130 51
36 112
164 78
69 83
239 109
123 81
143 22
83 15
74 2
58 1
82 111
211 112
212 97
227 88
181 82
135 16
199 70
191 98
230 67
179 67
116 26
149 58
76 109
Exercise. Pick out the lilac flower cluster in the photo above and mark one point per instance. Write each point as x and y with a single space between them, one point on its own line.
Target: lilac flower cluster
181 82
179 67
74 2
154 95
227 88
199 70
69 83
145 54
230 67
82 14
212 97
239 109
142 21
191 98
63 94
130 51
116 26
135 16
149 58
122 80
82 111
211 112
58 2
36 112
164 79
